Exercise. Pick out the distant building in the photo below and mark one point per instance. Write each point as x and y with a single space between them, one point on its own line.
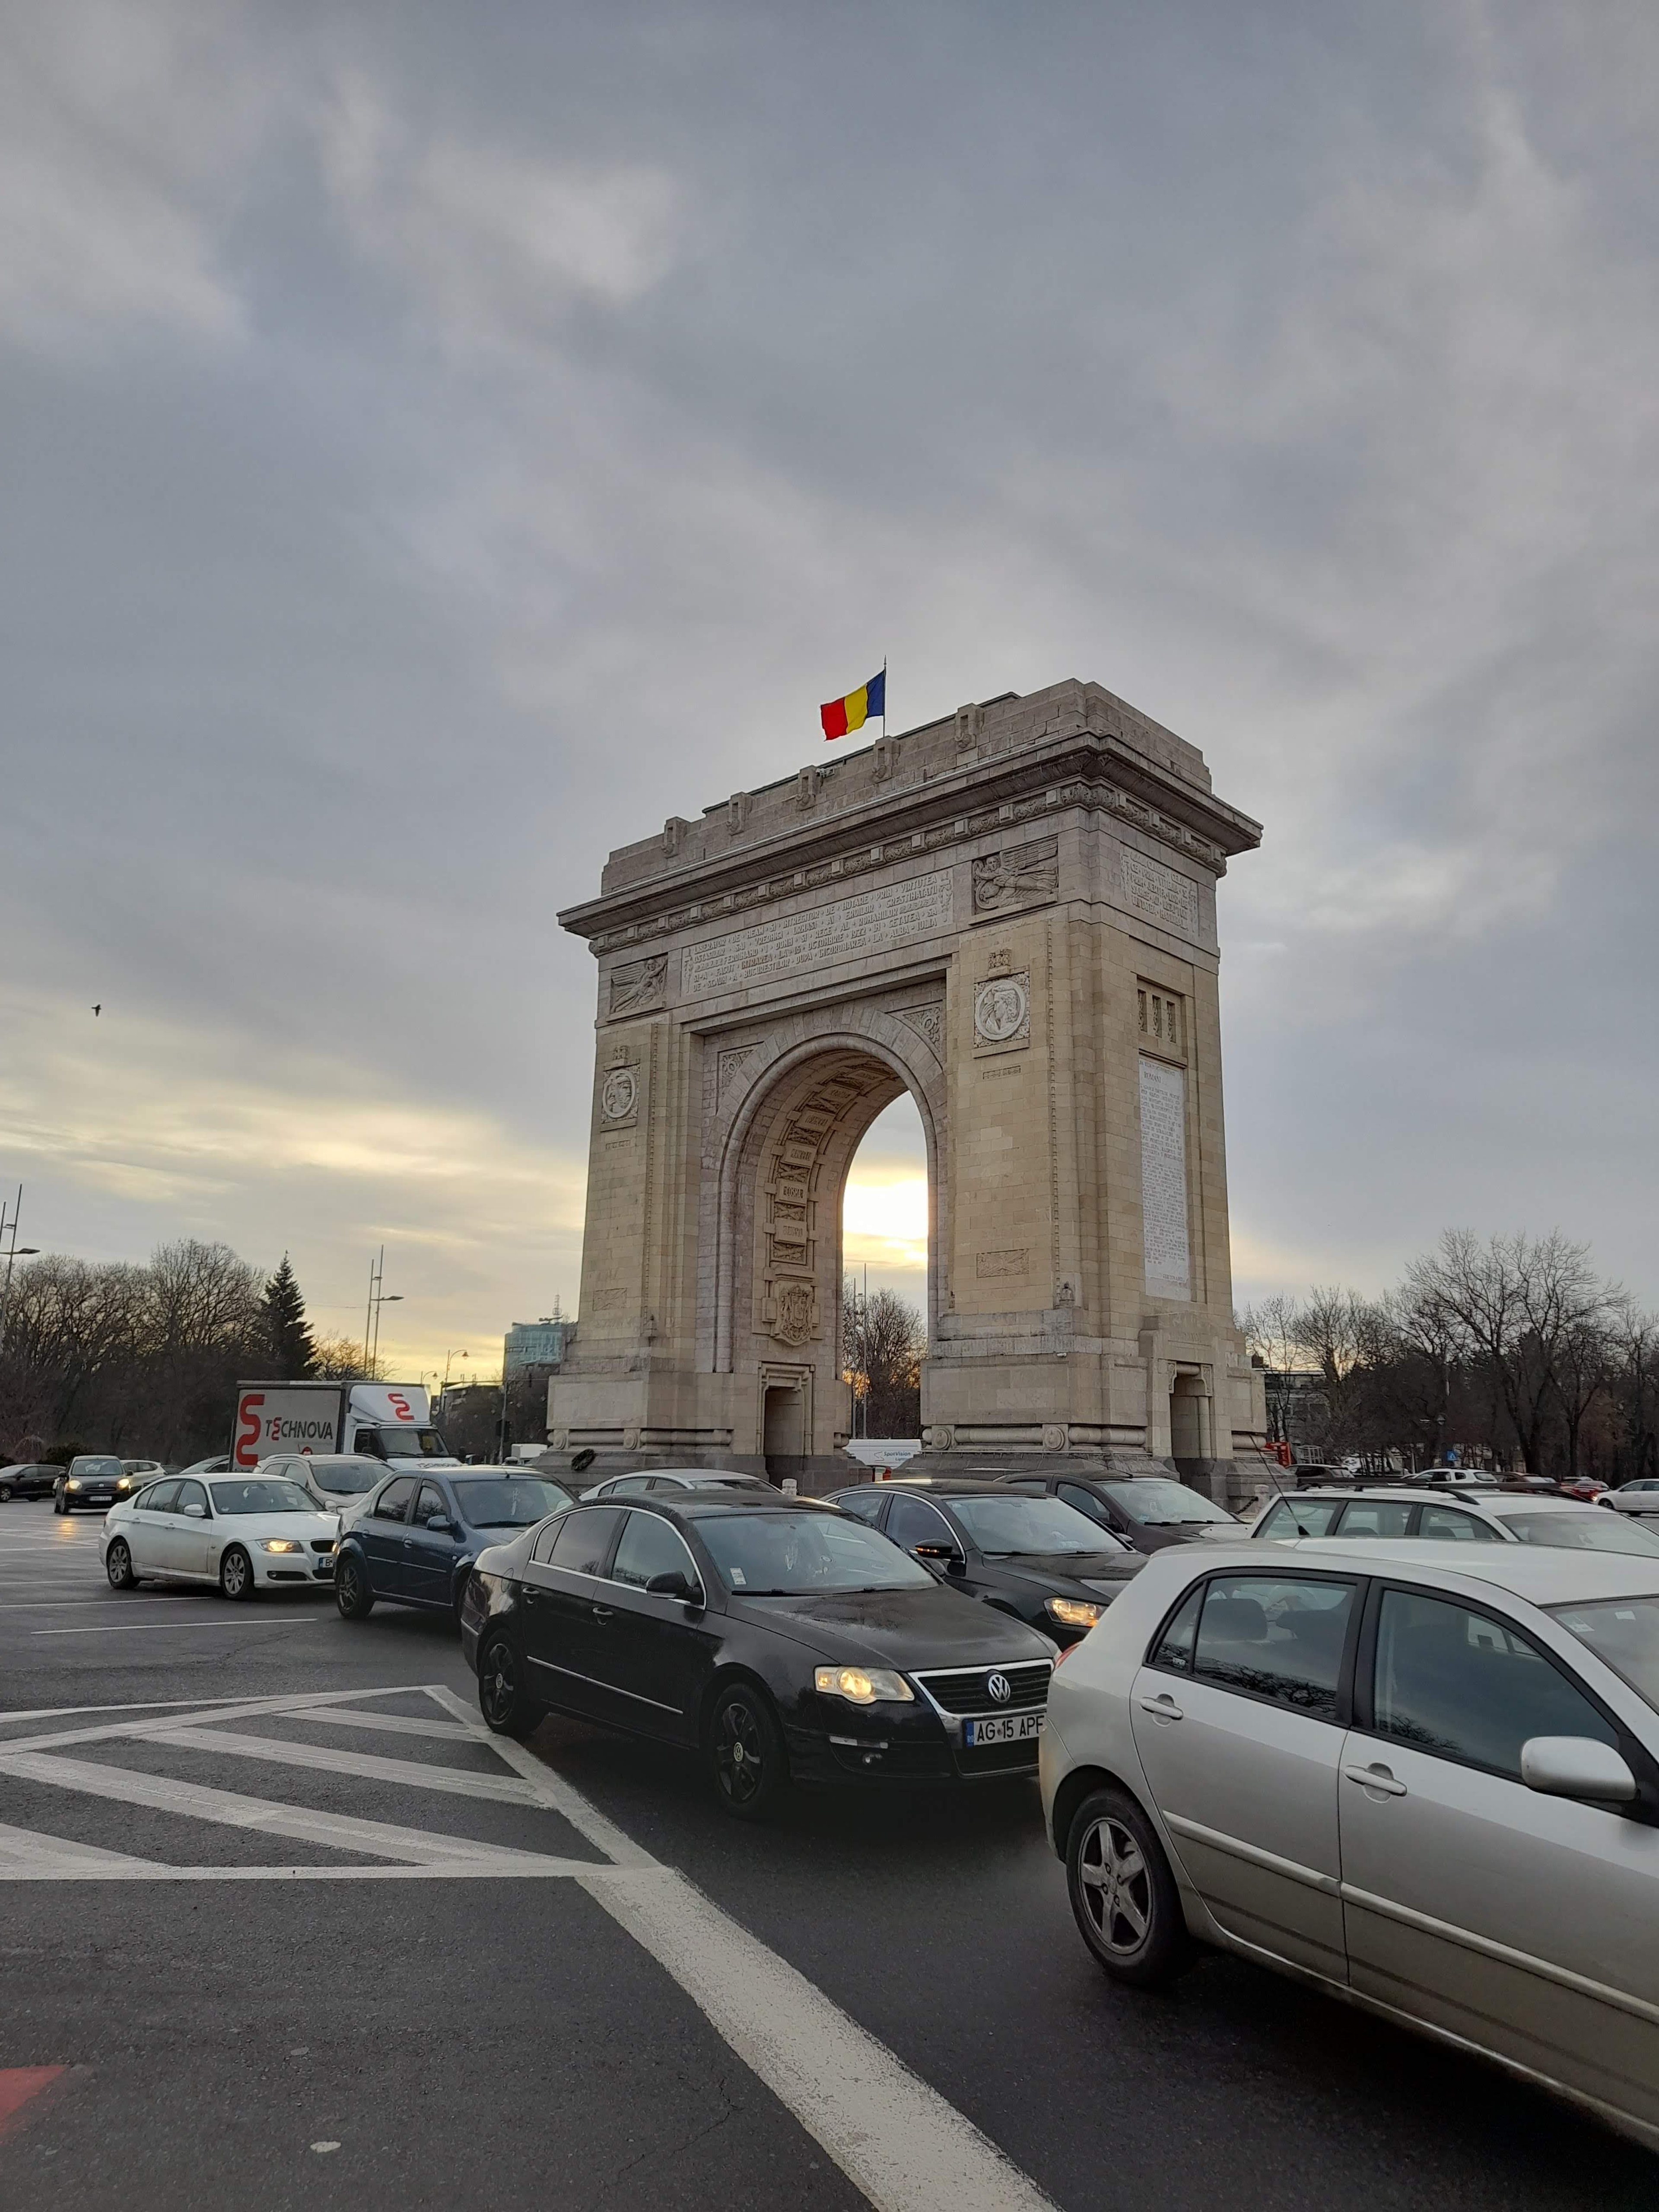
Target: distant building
536 1343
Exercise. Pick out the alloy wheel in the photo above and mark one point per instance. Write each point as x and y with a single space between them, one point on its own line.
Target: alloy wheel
739 1752
234 1574
1117 1888
498 1682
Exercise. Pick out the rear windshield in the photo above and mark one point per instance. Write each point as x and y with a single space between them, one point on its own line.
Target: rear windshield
1594 1531
1163 1504
1003 1527
260 1495
346 1477
511 1502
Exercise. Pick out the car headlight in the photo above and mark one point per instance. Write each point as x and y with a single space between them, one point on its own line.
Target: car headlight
863 1685
280 1544
1072 1612
75 1484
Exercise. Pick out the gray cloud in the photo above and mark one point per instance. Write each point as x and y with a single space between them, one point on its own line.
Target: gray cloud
439 447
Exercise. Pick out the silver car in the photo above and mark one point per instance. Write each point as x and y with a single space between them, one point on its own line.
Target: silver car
332 1480
1421 1776
1497 1517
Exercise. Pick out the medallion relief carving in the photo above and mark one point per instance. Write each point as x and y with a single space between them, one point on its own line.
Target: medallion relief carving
619 1095
1002 1013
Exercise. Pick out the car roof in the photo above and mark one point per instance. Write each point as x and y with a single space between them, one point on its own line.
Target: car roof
944 1486
1543 1574
1489 1501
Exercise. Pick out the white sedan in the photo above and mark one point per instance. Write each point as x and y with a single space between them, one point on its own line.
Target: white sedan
243 1532
1423 1777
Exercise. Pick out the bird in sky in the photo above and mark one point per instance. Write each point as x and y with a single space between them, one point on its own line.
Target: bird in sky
99 1008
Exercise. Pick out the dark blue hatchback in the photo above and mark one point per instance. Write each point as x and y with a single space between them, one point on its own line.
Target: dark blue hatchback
412 1541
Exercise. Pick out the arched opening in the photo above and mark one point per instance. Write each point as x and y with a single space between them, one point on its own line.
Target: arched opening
885 1251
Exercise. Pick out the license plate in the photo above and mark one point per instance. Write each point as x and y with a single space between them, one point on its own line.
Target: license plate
1002 1727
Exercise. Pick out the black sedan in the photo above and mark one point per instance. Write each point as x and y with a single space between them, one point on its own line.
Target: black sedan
27 1479
777 1637
413 1540
1037 1557
1146 1513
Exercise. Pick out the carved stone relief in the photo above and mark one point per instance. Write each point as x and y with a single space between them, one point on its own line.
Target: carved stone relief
928 1022
1002 1013
1018 875
793 1304
619 1095
990 1264
731 1066
637 985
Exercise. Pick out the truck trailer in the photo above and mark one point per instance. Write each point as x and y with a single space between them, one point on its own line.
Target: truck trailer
390 1421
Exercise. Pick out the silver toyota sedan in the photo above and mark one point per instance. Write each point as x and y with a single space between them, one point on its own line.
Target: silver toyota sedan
1422 1776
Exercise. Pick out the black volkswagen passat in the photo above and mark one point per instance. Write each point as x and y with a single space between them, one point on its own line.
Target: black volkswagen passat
778 1637
1037 1557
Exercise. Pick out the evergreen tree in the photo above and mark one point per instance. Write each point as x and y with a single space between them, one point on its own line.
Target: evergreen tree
293 1355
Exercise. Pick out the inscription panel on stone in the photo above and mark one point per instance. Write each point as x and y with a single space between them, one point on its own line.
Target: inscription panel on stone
850 929
1162 894
1163 1179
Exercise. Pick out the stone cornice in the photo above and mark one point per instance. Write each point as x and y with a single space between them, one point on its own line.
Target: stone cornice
1080 768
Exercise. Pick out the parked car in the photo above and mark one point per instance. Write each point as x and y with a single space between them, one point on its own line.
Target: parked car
666 1481
218 1465
1038 1558
1496 1516
136 1473
335 1480
1584 1488
243 1532
1639 1497
90 1478
1146 1513
781 1640
414 1540
1423 1776
28 1478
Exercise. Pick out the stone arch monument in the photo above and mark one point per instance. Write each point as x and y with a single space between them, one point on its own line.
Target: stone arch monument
1011 914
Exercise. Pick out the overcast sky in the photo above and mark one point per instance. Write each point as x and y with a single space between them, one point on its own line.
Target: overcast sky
440 443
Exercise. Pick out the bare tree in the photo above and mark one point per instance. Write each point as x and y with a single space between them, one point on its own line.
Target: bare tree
884 1342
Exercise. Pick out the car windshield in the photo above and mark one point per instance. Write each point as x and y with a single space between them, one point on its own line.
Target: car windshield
260 1496
1625 1633
345 1477
510 1502
96 1468
1163 1504
1003 1527
805 1554
412 1443
1592 1531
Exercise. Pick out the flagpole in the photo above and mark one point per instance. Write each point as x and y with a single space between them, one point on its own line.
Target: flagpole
884 697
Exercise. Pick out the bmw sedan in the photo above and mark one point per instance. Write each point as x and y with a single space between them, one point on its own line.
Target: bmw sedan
1423 1776
777 1639
240 1531
1035 1558
414 1540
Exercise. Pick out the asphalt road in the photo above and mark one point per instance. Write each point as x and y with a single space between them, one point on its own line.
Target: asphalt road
515 1998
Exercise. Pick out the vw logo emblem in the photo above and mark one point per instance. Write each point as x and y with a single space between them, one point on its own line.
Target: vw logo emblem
998 1688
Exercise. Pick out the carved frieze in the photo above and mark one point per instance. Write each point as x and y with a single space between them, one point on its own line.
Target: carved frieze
1018 876
990 1264
637 985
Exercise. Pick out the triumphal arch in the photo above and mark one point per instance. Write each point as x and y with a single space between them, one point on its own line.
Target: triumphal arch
1011 914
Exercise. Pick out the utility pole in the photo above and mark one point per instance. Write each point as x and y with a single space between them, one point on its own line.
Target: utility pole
377 1298
15 1251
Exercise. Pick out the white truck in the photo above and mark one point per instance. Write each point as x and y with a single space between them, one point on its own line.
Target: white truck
390 1421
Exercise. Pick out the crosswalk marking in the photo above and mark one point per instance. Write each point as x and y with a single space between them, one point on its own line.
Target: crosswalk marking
504 1789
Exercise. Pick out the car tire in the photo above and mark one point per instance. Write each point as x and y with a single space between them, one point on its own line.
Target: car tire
351 1591
747 1761
506 1705
1124 1898
118 1565
5 1493
236 1575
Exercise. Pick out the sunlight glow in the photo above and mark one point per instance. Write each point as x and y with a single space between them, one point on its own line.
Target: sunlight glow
884 1220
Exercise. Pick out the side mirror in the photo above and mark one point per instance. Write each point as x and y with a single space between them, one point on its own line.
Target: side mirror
196 1513
1575 1766
441 1523
942 1555
674 1584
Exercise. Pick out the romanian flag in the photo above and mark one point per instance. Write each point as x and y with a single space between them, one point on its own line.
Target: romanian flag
840 716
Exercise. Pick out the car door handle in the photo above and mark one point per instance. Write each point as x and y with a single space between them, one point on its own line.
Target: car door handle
1161 1708
601 1613
1376 1777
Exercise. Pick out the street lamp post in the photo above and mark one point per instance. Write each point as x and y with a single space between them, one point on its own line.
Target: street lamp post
377 1298
15 1251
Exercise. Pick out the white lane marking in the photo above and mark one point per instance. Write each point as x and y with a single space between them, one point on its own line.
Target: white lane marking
390 1724
528 1868
161 1794
229 1708
894 2137
555 1792
24 1847
137 1706
457 1782
156 1627
83 1604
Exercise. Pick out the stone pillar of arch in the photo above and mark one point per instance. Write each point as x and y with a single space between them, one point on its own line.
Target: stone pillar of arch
1011 914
